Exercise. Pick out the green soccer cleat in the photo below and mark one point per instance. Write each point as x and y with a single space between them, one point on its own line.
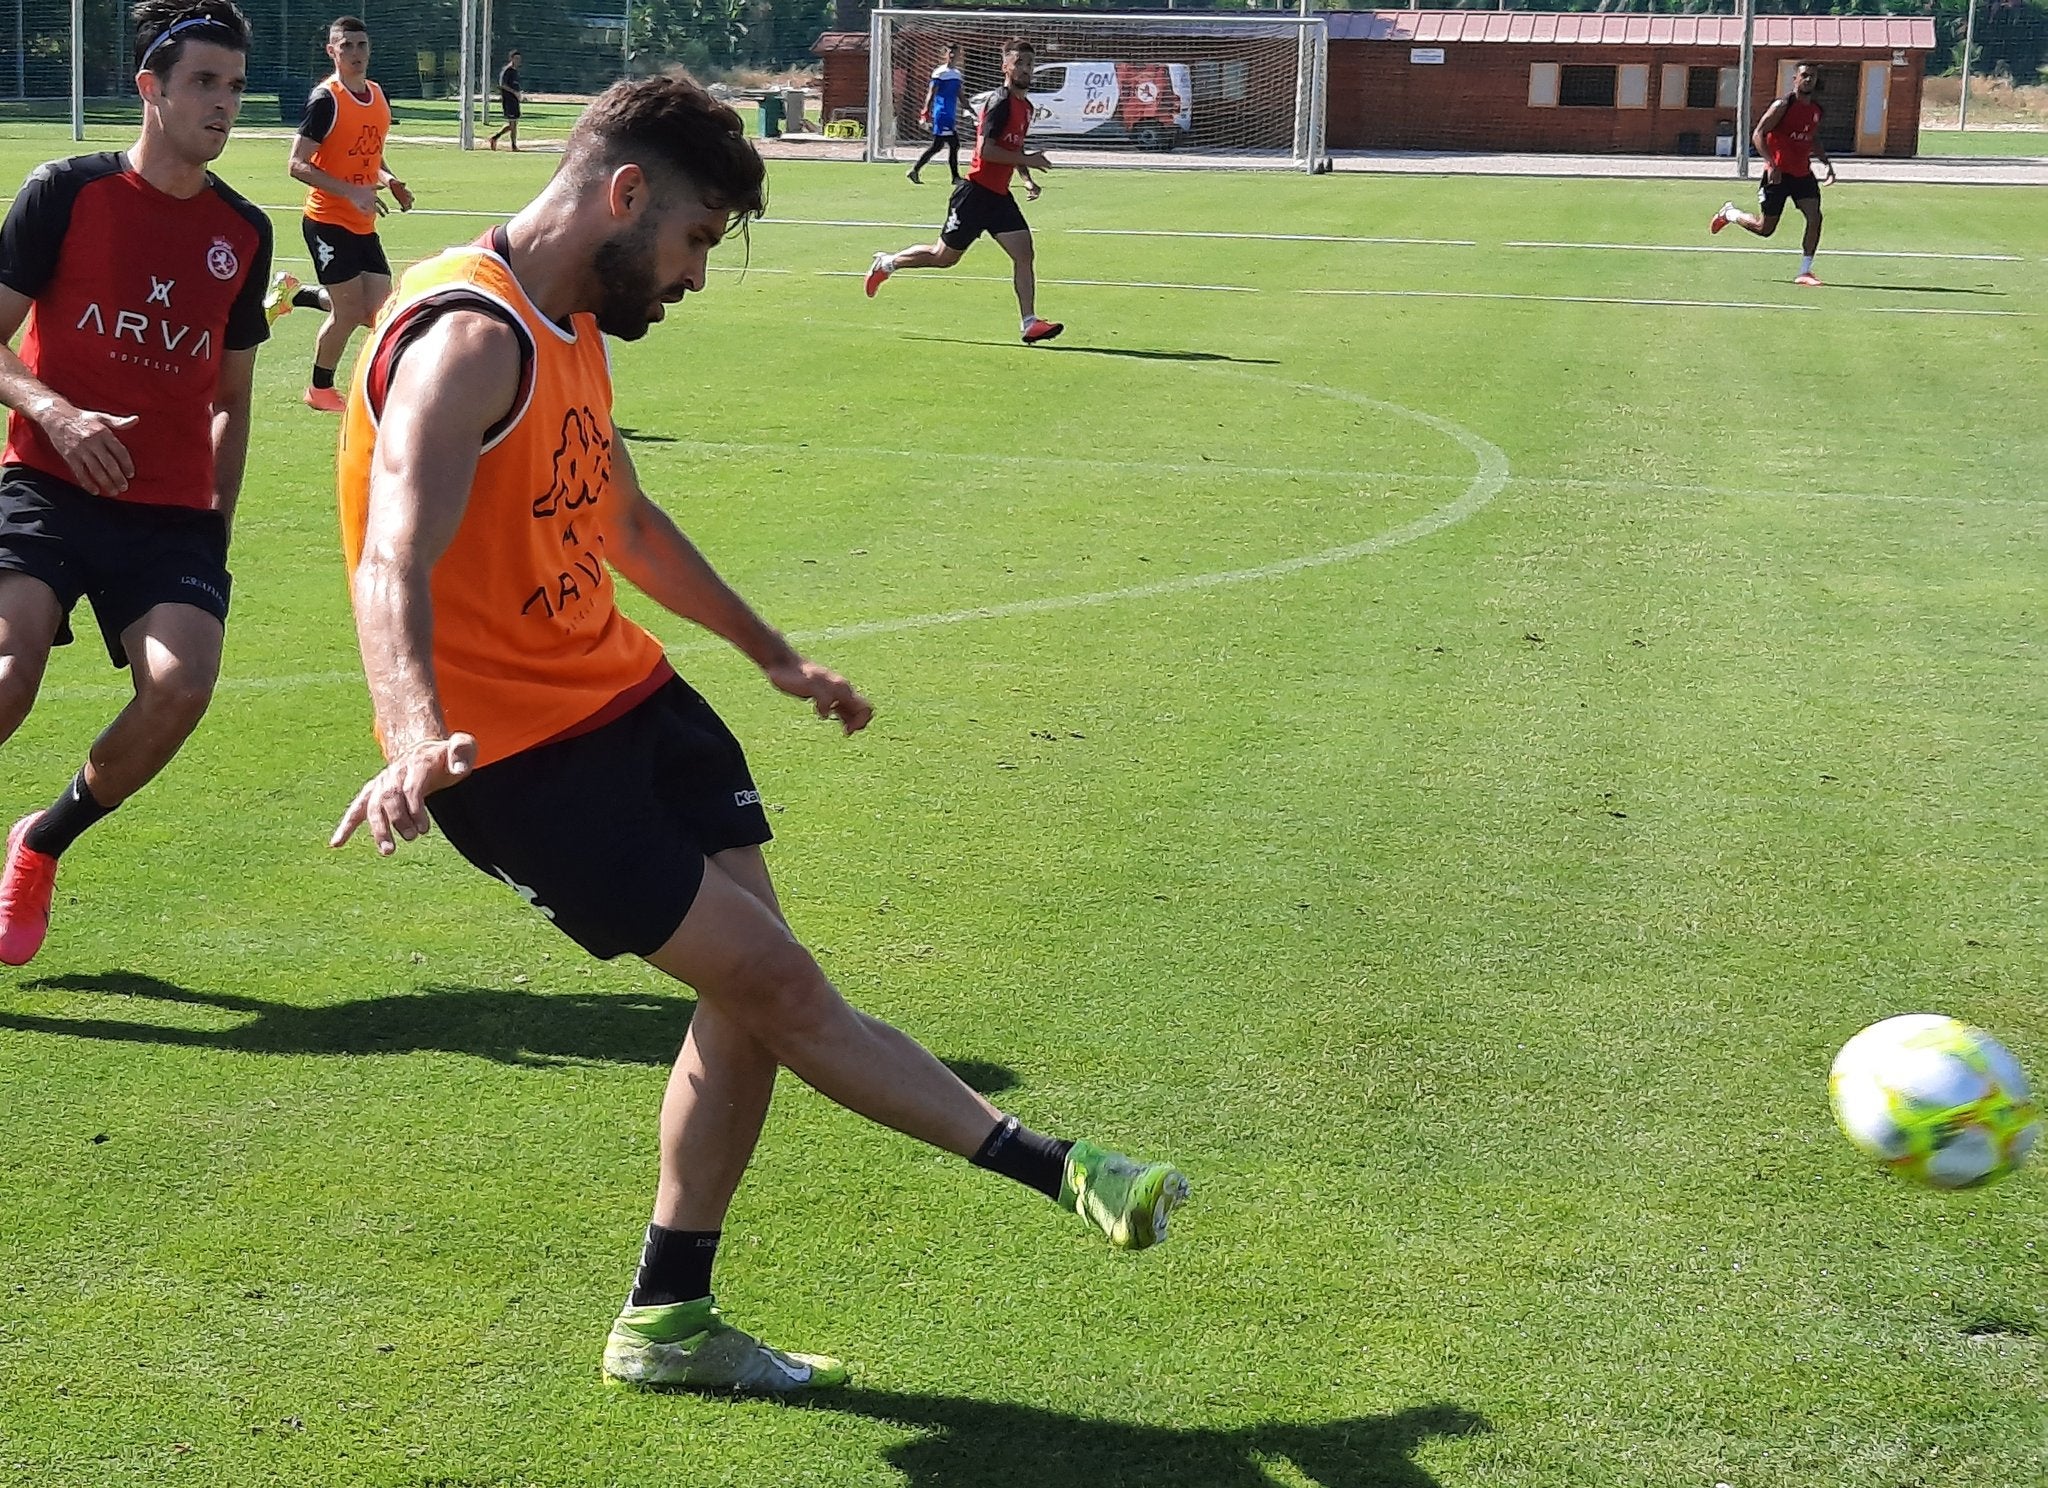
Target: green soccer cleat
277 300
688 1346
1128 1201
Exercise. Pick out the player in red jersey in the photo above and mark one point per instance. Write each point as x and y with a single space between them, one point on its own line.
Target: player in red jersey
140 277
1788 137
983 204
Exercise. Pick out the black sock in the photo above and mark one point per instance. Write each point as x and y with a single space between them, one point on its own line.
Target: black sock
953 155
1032 1158
675 1266
323 377
68 817
310 299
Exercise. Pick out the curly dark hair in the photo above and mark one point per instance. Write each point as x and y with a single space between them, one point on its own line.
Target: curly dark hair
670 124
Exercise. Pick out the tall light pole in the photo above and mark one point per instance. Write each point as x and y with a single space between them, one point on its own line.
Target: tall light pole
1745 83
1969 42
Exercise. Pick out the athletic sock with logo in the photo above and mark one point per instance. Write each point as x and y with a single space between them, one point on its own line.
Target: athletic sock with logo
675 1266
1031 1158
67 819
323 377
310 299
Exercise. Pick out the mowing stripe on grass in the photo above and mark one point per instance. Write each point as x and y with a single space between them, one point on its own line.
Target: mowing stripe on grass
1479 294
1094 283
1757 248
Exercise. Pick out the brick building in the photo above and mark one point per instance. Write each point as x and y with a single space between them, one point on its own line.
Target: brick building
1607 83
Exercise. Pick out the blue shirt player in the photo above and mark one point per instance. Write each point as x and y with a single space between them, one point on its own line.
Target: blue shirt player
942 112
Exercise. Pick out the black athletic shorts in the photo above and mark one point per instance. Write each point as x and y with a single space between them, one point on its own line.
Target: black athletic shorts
508 108
974 210
340 255
606 833
127 558
1771 196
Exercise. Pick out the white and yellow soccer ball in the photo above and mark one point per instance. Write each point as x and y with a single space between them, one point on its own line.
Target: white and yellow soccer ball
1934 1100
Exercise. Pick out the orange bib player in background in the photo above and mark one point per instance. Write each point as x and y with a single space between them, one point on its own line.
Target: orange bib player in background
339 156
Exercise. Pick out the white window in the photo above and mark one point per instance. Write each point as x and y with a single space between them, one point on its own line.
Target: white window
1543 85
1634 91
1671 90
1731 88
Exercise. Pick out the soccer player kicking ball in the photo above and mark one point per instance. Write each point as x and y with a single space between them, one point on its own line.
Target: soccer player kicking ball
983 204
140 276
487 502
1788 137
339 156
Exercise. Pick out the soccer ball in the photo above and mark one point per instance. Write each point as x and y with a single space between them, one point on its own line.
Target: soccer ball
1934 1100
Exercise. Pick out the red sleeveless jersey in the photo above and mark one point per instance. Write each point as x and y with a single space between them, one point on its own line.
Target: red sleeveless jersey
1791 143
138 296
1005 121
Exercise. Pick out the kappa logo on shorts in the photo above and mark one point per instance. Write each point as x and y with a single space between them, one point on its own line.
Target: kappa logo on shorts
325 253
746 798
952 223
523 892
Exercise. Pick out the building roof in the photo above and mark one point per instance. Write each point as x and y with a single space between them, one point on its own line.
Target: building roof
1557 28
840 41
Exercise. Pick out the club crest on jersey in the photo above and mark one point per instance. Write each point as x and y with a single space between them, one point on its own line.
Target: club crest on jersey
221 261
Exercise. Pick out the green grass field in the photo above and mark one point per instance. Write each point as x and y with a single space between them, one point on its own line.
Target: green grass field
1984 142
1448 770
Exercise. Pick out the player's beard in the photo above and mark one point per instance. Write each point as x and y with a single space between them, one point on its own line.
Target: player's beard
626 279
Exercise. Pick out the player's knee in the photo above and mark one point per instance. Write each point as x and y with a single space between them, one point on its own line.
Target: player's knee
18 686
1768 226
177 697
948 255
784 997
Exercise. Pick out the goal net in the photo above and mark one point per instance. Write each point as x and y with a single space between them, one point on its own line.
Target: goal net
1161 89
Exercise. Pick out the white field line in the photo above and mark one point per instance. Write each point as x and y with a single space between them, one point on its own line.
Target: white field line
1476 294
1160 232
1758 248
1091 283
1490 479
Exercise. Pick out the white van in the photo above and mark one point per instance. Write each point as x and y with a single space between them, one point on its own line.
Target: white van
1144 105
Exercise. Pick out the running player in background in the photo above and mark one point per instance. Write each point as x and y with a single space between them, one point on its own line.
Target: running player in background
1788 137
508 100
339 156
140 277
983 204
941 113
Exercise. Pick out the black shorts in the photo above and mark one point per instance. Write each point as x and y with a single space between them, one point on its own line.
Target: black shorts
974 210
1771 196
340 255
508 108
606 833
125 557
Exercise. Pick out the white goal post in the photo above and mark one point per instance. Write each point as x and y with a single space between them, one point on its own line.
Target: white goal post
1165 88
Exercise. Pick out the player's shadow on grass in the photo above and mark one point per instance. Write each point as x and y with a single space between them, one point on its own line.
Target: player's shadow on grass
1997 294
515 1026
1141 353
966 1443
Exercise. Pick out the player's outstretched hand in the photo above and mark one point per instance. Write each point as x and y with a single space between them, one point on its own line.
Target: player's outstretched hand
393 803
831 694
402 194
90 444
1036 160
1831 172
1031 191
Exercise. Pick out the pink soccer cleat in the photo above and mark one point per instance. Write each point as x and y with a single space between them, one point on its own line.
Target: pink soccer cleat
26 886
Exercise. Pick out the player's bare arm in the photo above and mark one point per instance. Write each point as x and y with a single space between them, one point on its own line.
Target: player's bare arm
231 403
88 441
460 378
1764 126
364 198
651 553
1827 164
